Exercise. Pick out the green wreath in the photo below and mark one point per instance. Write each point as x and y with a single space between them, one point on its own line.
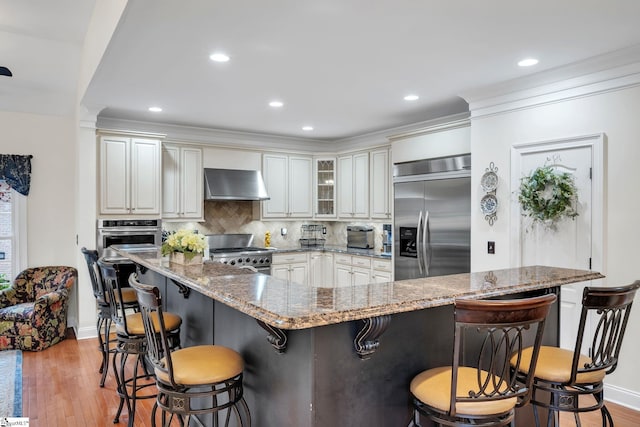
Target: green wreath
548 196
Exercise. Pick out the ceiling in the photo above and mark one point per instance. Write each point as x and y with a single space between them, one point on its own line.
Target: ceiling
342 67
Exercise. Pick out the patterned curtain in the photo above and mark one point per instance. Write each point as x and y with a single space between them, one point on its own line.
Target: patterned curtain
5 192
16 171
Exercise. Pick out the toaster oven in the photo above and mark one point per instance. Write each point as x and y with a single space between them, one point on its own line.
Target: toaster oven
360 237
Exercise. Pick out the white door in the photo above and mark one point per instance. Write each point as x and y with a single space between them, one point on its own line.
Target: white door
379 179
298 273
191 183
280 271
275 170
146 176
345 186
361 185
170 182
114 175
300 186
569 243
361 276
342 275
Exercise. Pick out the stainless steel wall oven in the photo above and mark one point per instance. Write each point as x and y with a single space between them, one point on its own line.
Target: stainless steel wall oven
127 232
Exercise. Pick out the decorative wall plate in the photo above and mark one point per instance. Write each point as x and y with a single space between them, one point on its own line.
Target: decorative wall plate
489 204
489 181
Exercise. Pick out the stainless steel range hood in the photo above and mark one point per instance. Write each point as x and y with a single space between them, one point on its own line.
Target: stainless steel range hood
233 184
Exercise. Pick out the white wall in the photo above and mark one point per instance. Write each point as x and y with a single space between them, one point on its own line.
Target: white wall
50 205
614 113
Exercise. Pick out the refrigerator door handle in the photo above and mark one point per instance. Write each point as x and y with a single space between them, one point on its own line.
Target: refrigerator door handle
426 244
419 243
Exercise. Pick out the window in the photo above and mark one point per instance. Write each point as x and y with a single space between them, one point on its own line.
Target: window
13 233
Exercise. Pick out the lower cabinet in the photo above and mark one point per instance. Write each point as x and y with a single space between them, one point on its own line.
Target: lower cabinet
352 270
326 269
321 269
381 271
291 266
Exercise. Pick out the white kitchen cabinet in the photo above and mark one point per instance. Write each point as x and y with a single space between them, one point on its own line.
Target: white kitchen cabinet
353 186
182 181
380 179
321 269
325 187
381 271
293 267
289 182
130 175
352 270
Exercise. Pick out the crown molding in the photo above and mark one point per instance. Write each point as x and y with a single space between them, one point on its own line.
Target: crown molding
451 122
215 137
612 71
384 137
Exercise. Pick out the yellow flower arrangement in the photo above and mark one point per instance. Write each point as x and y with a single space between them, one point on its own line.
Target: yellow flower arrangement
187 242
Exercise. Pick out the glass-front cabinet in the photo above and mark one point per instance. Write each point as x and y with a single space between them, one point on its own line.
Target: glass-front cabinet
325 186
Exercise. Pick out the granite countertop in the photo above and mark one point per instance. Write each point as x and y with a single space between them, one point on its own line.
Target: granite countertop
288 305
336 249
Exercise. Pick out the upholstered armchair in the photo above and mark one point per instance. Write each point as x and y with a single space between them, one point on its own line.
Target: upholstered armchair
33 311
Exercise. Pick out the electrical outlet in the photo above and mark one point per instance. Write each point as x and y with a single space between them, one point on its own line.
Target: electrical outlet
491 247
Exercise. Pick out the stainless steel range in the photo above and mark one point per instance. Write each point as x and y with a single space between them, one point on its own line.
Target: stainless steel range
237 250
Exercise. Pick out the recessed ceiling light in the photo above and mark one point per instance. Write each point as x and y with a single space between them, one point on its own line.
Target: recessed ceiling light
219 57
411 97
307 128
276 104
155 109
528 62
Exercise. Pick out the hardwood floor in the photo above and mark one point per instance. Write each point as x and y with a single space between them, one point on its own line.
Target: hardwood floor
60 389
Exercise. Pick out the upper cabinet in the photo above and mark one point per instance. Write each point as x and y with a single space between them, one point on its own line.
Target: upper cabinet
182 180
353 186
289 183
380 206
130 177
325 186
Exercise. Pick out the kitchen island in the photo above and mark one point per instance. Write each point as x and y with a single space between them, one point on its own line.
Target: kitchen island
333 356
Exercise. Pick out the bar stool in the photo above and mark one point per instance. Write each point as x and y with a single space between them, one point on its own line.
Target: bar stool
562 376
131 340
483 392
191 377
103 324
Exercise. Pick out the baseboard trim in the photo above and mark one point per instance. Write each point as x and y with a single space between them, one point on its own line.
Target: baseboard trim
622 396
86 333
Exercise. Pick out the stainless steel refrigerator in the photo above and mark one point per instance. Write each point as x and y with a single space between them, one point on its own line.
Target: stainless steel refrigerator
432 217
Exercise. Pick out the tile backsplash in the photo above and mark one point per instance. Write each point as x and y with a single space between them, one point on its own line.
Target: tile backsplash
223 217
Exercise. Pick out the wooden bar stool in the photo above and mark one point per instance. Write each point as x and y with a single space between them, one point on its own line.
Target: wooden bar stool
562 377
483 391
204 379
131 340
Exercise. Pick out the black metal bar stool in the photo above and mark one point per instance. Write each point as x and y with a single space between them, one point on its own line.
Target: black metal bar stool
562 376
204 379
104 311
103 323
131 340
479 388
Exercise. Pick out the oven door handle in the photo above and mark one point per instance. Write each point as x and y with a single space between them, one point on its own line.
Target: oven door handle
129 230
249 267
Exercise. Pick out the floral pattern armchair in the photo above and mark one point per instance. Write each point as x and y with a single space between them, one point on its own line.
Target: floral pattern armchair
33 311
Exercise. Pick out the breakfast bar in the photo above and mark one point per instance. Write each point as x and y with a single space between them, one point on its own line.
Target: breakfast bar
319 356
